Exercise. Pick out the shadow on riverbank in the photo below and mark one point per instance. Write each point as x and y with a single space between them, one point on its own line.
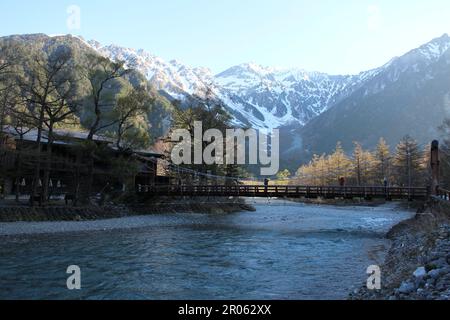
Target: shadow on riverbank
10 212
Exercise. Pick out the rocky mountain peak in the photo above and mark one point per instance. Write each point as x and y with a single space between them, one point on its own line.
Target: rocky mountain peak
267 97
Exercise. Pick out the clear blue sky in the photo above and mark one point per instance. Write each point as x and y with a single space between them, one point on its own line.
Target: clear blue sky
334 36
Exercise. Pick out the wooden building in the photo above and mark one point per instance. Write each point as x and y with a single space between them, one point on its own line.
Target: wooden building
67 162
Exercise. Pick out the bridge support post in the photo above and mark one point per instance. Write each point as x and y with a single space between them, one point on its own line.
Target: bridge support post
435 162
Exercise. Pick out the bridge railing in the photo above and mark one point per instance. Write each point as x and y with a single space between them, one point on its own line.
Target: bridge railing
443 194
287 191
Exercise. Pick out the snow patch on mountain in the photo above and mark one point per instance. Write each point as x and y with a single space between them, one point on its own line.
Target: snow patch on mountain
264 97
173 77
433 50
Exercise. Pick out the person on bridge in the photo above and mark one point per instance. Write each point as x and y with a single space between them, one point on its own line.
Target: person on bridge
342 181
266 185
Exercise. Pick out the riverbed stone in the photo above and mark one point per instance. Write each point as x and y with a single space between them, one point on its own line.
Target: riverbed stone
420 272
430 283
406 287
419 282
435 273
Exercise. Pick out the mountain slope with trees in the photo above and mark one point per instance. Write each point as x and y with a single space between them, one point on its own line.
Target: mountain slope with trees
50 83
28 49
410 97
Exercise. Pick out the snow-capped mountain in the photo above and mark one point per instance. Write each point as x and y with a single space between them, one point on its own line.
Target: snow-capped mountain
173 77
410 96
289 95
266 98
256 96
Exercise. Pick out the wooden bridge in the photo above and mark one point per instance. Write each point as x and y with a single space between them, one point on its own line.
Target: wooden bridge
310 192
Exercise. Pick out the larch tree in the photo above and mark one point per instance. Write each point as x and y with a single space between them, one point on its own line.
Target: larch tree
340 164
283 175
368 163
408 162
363 163
382 162
358 162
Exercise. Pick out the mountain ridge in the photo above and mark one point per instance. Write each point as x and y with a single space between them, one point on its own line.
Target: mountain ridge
258 96
410 97
409 94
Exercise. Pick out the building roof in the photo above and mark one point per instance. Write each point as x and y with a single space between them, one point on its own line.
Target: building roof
140 152
68 137
60 135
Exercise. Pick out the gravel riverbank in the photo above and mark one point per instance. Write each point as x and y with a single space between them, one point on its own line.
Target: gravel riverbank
15 213
417 266
119 219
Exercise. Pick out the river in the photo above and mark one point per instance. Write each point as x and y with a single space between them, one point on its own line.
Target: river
281 251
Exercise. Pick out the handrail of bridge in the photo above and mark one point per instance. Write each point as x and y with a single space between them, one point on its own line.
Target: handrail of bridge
443 194
285 191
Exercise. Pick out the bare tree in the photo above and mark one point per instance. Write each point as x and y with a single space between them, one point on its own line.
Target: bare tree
101 72
60 113
21 125
45 90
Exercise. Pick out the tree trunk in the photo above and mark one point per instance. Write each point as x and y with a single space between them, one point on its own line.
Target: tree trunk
18 174
47 169
37 172
90 178
76 185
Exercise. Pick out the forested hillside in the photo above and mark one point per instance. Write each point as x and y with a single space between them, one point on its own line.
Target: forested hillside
84 70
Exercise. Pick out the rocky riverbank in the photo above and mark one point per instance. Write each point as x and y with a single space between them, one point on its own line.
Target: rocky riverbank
417 266
55 212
